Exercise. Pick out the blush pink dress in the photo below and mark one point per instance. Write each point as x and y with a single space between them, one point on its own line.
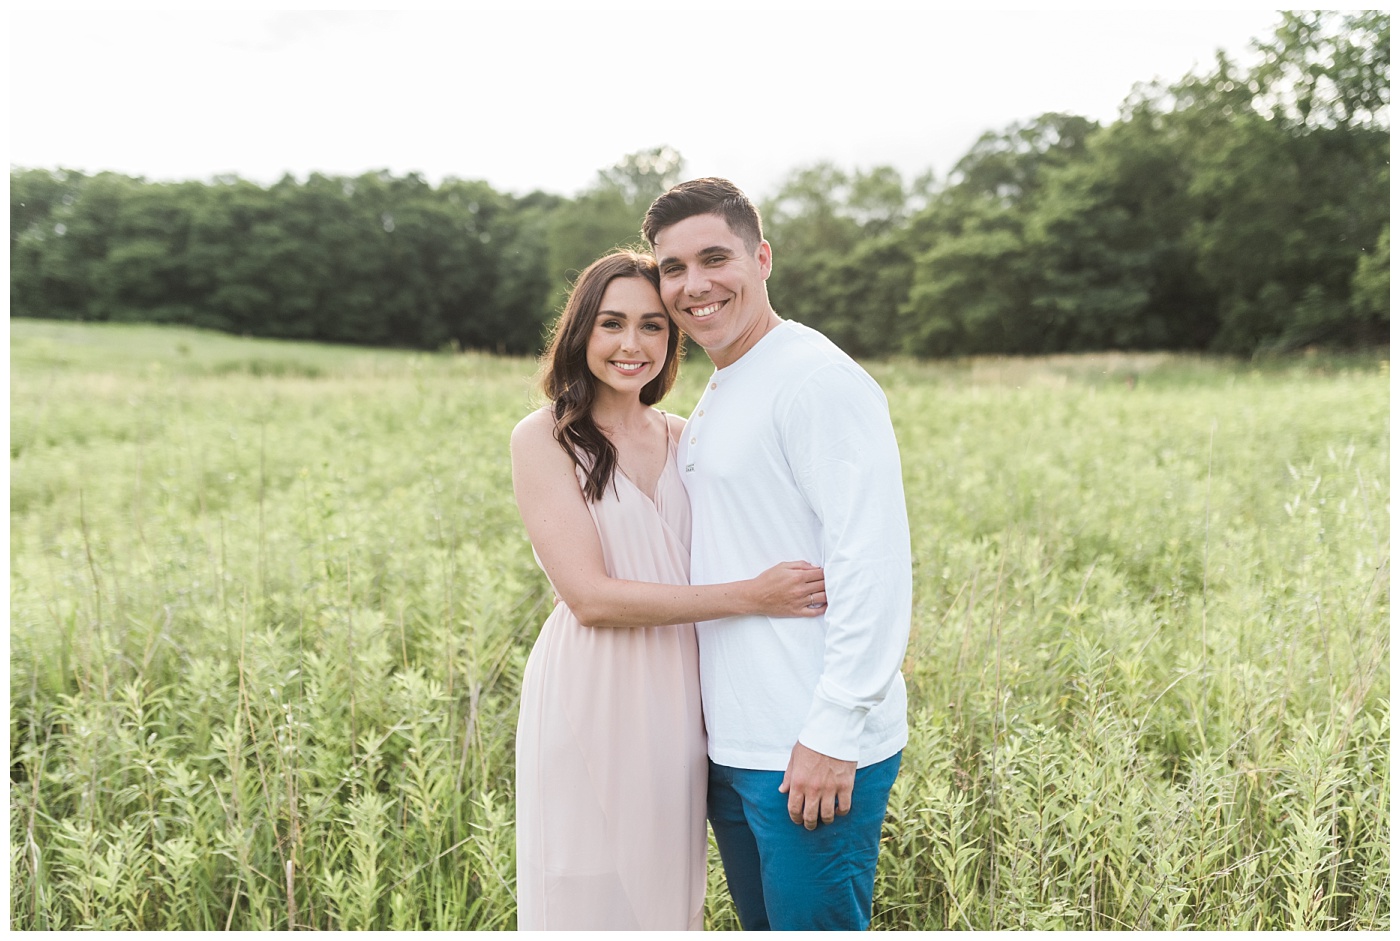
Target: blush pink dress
610 758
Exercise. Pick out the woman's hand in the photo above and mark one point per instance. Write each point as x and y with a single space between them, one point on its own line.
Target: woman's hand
789 590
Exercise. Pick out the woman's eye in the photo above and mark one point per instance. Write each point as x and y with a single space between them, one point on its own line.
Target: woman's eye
653 327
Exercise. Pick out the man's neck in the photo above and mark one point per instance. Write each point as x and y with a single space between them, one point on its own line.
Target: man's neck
737 350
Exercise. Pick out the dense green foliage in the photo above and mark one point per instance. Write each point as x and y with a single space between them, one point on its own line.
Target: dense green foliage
373 260
1233 211
271 602
1240 210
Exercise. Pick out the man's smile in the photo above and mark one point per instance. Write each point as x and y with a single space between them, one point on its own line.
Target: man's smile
700 313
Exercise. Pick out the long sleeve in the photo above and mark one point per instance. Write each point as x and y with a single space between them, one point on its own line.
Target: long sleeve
840 444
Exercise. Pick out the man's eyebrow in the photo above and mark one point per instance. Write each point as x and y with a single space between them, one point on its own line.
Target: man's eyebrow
712 250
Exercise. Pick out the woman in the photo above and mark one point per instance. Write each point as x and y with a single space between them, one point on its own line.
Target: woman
610 749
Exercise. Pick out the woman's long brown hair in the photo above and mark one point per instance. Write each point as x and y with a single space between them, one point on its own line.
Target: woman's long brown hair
567 381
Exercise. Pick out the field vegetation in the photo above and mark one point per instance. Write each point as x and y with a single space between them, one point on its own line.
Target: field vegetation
271 602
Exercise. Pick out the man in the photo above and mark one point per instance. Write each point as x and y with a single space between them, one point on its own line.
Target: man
789 454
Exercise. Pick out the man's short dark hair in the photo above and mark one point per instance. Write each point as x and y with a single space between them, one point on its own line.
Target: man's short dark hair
709 194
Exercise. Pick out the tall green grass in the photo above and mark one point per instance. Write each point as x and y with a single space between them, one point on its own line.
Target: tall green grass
270 605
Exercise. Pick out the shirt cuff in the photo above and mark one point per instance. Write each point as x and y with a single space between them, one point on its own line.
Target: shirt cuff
833 730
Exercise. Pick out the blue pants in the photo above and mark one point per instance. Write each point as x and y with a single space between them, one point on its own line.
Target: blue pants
785 877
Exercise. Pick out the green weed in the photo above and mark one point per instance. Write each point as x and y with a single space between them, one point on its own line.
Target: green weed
271 603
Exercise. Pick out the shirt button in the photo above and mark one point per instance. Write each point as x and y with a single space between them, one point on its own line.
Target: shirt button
692 440
700 414
714 385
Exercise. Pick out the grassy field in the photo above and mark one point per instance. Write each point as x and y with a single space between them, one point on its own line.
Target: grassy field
271 602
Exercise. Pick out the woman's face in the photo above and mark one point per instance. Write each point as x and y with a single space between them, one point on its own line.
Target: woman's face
627 347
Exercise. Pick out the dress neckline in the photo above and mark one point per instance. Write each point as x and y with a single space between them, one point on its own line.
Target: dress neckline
670 459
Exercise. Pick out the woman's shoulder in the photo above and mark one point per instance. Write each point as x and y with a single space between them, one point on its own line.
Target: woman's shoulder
675 426
534 430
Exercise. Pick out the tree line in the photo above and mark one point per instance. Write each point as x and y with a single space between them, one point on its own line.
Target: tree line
1237 210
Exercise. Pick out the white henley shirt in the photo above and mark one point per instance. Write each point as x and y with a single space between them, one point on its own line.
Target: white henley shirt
790 455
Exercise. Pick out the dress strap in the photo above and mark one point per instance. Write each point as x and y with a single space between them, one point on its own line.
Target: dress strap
666 428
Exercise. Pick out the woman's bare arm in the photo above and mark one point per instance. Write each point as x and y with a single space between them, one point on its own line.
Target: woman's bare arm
566 541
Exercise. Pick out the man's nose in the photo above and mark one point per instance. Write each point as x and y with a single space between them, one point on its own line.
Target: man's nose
696 283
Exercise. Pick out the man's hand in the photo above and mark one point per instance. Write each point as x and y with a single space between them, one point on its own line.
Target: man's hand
817 786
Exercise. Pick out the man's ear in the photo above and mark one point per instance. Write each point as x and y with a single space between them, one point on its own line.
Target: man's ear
765 259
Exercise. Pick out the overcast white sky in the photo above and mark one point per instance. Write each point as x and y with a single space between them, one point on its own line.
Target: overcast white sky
542 99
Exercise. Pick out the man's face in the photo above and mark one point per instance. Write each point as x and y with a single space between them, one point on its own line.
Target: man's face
713 286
